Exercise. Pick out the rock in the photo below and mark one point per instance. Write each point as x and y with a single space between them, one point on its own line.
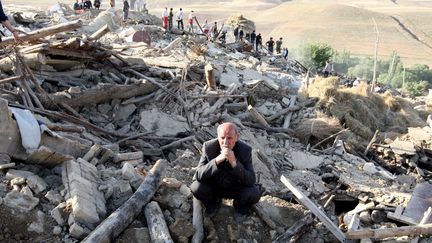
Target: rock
181 228
4 159
60 214
278 210
104 108
171 182
187 159
36 183
185 190
163 124
77 231
365 217
27 191
229 77
124 112
378 216
54 197
38 225
135 235
1 201
304 160
17 181
21 202
403 147
420 134
11 174
57 230
128 171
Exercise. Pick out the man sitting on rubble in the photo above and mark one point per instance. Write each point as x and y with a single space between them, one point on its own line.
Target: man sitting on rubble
225 171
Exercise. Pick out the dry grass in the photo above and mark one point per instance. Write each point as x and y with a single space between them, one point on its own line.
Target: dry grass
315 130
364 112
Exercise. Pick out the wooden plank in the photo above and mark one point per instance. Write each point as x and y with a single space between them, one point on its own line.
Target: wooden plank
390 232
314 209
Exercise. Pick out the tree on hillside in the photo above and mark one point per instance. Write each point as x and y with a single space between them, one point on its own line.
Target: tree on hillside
314 55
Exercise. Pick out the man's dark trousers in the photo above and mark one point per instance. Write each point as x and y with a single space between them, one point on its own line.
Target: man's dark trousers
210 195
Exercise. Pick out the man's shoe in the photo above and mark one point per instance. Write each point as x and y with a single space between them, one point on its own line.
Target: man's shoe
239 217
211 211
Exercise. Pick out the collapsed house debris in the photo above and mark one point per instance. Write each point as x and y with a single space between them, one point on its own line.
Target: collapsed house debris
88 105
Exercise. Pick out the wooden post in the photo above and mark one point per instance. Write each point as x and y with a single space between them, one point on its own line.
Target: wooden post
98 34
375 56
157 226
257 116
210 77
197 221
287 120
314 209
425 229
112 226
40 33
32 59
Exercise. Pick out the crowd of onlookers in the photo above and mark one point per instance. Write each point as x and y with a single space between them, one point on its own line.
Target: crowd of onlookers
212 31
209 29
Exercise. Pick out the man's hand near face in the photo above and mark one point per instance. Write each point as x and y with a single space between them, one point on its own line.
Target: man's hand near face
226 154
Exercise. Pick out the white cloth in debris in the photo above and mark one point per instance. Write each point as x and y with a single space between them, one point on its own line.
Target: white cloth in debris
28 127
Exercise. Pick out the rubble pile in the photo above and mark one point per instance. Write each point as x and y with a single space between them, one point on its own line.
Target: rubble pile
89 105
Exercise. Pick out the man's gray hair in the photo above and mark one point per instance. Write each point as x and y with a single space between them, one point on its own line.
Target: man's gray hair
230 124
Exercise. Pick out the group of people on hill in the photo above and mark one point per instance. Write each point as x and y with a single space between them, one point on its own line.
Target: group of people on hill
256 41
80 7
86 4
169 16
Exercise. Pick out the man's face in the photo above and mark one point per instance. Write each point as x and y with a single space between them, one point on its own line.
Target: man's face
227 137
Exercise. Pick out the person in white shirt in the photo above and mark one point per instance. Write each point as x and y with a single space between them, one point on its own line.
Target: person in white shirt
190 21
165 18
179 18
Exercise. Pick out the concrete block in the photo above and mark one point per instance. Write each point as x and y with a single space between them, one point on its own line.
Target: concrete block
83 210
37 184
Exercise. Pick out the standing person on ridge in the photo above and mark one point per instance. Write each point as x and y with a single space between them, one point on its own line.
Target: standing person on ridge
125 10
258 41
279 45
179 17
236 33
252 37
170 20
190 21
165 18
270 44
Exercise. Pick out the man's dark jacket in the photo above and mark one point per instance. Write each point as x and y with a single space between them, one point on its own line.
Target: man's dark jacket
223 175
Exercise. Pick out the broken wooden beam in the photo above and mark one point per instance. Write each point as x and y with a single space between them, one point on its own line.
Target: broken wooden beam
65 128
157 226
314 209
7 166
103 93
416 230
98 34
112 226
257 116
210 76
197 221
10 79
287 120
32 59
298 228
40 33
